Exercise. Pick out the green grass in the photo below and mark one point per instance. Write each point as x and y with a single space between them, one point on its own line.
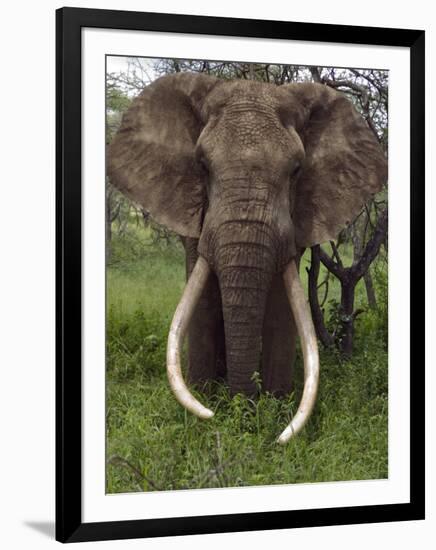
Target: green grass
153 444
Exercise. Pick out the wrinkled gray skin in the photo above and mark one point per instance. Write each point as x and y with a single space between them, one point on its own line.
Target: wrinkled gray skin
248 174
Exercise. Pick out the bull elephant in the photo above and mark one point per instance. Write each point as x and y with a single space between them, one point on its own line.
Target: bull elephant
248 174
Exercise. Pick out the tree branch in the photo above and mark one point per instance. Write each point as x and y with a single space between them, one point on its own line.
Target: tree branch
332 266
336 254
372 247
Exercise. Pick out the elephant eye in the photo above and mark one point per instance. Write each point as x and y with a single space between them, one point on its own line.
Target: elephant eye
201 160
203 164
296 171
204 171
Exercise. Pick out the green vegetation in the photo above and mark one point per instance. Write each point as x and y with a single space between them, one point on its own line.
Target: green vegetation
153 444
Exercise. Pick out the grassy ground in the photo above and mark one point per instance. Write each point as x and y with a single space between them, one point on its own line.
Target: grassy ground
153 444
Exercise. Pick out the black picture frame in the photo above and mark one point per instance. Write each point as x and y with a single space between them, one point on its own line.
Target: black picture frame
69 525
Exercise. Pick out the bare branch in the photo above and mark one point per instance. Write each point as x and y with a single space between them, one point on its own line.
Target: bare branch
372 248
331 265
119 460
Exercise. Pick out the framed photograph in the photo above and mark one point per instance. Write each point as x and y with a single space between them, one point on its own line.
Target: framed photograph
240 329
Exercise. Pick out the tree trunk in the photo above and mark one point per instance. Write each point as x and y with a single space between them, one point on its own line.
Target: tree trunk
350 276
346 312
317 314
370 292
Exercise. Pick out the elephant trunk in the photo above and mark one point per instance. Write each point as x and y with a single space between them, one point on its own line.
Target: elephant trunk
245 262
243 311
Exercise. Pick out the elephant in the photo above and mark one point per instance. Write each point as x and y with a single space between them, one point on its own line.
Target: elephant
249 174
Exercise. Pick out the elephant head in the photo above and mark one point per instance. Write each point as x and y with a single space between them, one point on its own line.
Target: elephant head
255 172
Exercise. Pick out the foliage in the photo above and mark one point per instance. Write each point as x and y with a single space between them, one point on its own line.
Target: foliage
116 103
116 100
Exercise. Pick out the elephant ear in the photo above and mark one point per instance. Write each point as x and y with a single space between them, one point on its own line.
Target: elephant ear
344 164
151 158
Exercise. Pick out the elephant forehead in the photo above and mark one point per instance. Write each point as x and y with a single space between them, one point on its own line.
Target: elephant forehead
251 129
240 90
251 135
248 124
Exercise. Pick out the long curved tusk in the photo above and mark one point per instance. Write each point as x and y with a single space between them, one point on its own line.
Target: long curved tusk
178 328
306 331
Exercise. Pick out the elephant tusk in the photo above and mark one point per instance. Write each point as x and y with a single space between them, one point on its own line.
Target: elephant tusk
306 331
179 325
